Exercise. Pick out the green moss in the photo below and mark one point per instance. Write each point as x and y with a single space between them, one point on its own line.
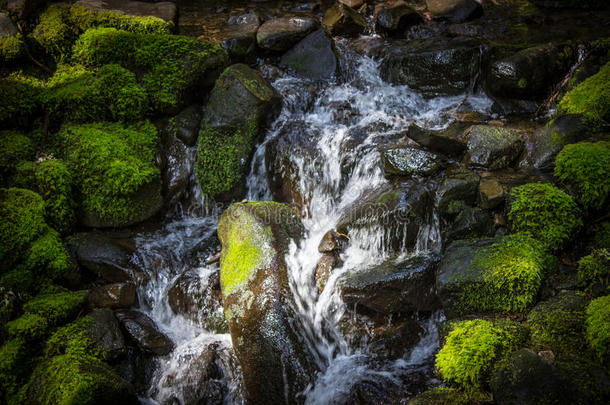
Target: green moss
598 326
222 157
557 324
545 212
473 348
54 32
448 396
22 212
14 364
74 340
20 279
601 238
19 100
512 273
58 307
585 168
595 268
54 183
11 48
109 93
591 98
48 255
168 65
111 163
14 148
30 327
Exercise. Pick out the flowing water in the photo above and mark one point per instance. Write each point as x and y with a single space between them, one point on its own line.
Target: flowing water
340 167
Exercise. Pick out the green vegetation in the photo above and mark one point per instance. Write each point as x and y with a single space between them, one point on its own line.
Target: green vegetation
591 99
448 396
54 183
601 237
545 212
473 348
111 163
595 268
585 168
58 307
54 33
74 340
512 273
19 99
15 363
598 326
83 19
557 324
11 48
169 64
14 148
221 157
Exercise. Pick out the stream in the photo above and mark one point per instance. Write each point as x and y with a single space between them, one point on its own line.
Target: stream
335 130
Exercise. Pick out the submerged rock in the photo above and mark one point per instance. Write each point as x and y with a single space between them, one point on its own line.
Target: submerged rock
492 147
279 34
257 300
343 20
144 332
313 57
400 160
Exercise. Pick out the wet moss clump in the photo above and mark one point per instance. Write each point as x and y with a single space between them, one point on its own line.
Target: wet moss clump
595 268
445 395
474 347
54 184
585 168
591 99
15 147
11 48
167 65
19 100
111 163
15 364
545 212
598 326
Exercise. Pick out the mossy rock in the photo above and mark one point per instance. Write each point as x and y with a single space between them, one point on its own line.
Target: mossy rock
172 69
595 268
15 364
474 347
255 238
598 327
585 168
557 324
20 100
15 147
11 41
545 212
447 396
590 99
492 147
114 169
240 104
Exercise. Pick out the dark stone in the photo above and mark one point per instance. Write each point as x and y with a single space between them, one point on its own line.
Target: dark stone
106 333
313 57
445 141
458 184
177 166
396 16
471 223
343 20
391 287
432 68
491 193
239 36
142 330
332 241
454 10
116 295
492 147
324 267
186 124
7 26
279 34
400 160
25 9
526 379
103 257
257 303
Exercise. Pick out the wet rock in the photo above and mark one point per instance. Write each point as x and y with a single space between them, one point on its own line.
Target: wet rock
491 193
471 223
406 160
343 20
492 147
116 295
392 288
458 184
531 73
455 273
106 334
196 295
279 34
24 9
142 330
352 3
445 141
332 241
527 379
186 125
164 10
240 106
102 256
7 26
256 297
324 267
239 37
432 68
398 211
396 16
313 57
177 166
454 10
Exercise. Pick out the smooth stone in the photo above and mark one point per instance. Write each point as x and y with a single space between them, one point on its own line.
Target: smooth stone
491 193
343 20
458 184
313 57
492 147
454 10
445 141
279 34
116 295
332 241
144 332
407 160
106 334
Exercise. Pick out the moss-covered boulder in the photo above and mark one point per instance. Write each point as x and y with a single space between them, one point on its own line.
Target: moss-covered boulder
11 42
474 347
585 168
590 99
20 100
114 169
492 147
459 185
442 396
240 104
594 269
172 69
598 327
15 147
545 212
490 275
257 300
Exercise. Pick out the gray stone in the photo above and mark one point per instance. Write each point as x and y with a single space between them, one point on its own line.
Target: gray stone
239 36
458 184
492 147
313 57
406 160
144 332
279 34
7 26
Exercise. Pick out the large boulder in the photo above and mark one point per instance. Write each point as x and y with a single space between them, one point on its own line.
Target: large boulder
313 57
165 10
279 34
393 287
143 331
343 20
239 107
432 68
257 300
492 147
453 10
